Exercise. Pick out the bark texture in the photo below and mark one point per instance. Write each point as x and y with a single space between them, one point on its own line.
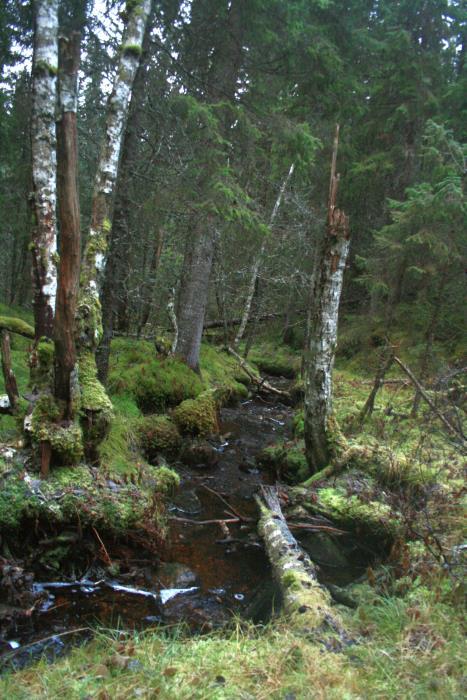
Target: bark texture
69 216
322 337
194 293
43 151
303 597
11 386
89 309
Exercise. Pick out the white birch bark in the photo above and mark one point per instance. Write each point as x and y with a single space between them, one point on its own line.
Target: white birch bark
106 176
322 333
44 160
259 259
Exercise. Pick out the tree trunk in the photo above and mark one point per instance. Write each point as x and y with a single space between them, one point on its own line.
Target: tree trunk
89 308
118 262
259 259
225 65
148 301
70 230
194 293
43 148
11 386
327 287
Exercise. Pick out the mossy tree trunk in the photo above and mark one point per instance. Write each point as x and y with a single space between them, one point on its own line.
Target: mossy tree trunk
95 404
322 334
44 158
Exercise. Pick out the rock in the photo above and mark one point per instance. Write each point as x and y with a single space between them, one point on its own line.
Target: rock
187 502
322 549
175 575
200 454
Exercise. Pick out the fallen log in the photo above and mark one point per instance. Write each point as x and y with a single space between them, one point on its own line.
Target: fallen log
261 383
304 598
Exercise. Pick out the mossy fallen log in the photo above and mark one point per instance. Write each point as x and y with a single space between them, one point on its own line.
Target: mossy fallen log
304 598
16 325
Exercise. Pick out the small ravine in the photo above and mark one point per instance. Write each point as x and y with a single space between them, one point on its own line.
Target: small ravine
207 572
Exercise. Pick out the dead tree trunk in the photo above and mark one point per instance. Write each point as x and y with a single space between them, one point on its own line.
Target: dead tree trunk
43 152
384 367
154 267
70 229
303 597
327 287
259 260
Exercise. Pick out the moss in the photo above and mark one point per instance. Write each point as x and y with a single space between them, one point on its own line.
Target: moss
299 424
167 481
89 319
106 227
350 511
287 459
274 359
44 67
93 395
132 50
16 325
66 439
156 384
197 416
221 371
159 435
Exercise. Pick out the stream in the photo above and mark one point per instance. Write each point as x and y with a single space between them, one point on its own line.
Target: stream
208 572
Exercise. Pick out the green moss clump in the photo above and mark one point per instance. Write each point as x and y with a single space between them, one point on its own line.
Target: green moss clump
286 459
16 501
274 359
299 424
159 435
155 383
167 481
221 371
93 395
197 416
132 50
66 439
350 511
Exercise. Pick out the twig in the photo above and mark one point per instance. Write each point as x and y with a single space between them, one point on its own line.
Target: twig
226 503
104 552
317 528
205 522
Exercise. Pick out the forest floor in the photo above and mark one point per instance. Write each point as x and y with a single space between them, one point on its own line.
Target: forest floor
405 635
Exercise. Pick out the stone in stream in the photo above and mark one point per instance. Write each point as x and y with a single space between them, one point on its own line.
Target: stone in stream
175 575
186 502
200 454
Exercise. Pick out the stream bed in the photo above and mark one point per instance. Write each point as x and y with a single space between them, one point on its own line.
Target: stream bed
207 573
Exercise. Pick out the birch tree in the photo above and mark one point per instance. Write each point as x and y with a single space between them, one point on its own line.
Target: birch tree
44 161
322 336
93 263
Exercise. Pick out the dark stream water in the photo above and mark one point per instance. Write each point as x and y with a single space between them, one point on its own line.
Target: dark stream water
208 572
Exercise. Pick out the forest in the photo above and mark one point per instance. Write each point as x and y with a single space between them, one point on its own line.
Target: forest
233 349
